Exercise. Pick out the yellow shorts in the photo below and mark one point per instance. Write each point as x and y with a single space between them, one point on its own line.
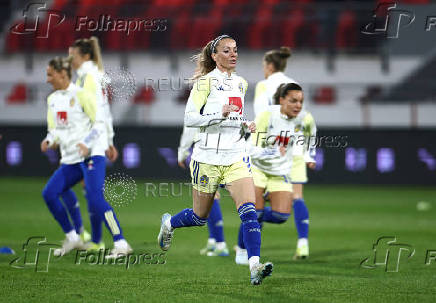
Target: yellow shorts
207 177
271 182
298 170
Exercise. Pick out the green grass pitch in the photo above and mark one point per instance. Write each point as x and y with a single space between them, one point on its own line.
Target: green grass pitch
345 221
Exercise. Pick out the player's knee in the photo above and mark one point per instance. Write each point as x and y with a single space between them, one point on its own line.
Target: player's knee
48 194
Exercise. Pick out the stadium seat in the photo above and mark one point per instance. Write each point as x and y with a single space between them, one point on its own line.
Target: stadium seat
325 95
145 95
18 94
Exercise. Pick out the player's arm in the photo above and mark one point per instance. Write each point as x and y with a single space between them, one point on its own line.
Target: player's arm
310 135
51 139
194 116
260 98
258 147
186 141
88 100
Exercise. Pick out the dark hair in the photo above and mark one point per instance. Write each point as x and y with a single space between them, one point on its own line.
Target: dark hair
92 48
278 58
205 63
283 89
59 64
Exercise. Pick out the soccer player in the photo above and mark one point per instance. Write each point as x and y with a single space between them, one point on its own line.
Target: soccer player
68 123
216 245
278 132
86 60
274 64
216 107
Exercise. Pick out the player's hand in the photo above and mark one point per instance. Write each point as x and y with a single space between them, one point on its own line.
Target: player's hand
282 150
227 109
311 165
83 150
112 153
251 126
182 164
44 145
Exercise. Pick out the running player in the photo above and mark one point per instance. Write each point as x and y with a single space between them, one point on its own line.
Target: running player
86 60
274 64
216 245
216 107
68 112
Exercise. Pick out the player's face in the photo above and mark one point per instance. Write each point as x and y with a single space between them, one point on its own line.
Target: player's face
77 57
292 103
54 78
226 55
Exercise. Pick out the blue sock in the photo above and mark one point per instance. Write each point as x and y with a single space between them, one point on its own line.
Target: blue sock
272 216
259 213
187 218
301 216
72 204
56 207
241 237
250 229
215 222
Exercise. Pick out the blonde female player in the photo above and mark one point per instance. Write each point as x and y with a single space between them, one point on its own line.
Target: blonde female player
216 107
68 123
86 60
274 64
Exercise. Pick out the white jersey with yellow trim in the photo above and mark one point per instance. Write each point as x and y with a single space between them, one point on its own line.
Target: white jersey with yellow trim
265 90
71 119
90 79
306 130
274 129
220 140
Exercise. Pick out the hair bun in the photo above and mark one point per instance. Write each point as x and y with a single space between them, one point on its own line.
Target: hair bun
284 52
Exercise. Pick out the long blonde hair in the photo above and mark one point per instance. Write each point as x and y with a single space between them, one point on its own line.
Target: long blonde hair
92 47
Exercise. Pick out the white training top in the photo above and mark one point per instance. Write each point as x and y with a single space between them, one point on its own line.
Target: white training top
220 140
72 119
90 79
265 90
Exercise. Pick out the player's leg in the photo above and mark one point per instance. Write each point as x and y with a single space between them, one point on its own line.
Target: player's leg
280 192
204 182
301 213
242 192
94 170
216 245
72 203
301 218
241 256
51 194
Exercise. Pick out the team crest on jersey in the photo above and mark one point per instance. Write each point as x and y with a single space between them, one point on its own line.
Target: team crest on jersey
62 118
297 128
72 102
241 87
204 180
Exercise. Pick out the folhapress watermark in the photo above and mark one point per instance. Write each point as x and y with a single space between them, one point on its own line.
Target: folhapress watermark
388 254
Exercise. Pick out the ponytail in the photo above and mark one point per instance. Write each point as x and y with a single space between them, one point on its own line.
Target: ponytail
278 58
92 48
205 63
